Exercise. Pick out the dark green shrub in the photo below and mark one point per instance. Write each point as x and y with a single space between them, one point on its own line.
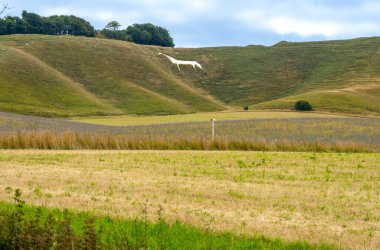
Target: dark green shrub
303 106
246 108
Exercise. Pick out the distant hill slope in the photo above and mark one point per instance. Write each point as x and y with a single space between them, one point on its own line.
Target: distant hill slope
72 76
76 76
337 76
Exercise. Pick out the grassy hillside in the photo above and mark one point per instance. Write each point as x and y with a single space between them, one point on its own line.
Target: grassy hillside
341 76
66 76
75 76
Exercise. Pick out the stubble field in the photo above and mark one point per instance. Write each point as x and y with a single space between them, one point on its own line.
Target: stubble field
317 197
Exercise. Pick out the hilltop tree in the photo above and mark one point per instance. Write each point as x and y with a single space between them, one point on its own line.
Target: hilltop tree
147 34
13 25
35 22
114 25
150 34
31 23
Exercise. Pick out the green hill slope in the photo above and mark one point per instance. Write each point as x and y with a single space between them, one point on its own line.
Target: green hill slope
75 76
342 76
67 76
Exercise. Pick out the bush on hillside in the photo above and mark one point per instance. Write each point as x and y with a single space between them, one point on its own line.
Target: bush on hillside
303 106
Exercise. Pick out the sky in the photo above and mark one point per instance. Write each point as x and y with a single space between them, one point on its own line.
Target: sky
207 23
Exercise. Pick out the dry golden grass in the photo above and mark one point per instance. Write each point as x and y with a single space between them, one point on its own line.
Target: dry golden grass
270 132
311 196
105 141
131 120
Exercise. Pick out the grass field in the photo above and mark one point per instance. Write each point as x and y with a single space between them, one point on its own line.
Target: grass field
117 95
77 76
317 197
128 120
268 131
25 227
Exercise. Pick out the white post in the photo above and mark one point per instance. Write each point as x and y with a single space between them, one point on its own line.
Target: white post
213 128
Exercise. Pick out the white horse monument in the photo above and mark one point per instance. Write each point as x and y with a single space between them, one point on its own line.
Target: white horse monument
179 62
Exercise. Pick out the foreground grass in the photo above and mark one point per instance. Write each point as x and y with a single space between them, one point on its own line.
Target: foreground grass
317 197
72 141
24 227
128 120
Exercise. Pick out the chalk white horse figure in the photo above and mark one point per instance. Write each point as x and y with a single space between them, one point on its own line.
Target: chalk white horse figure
179 62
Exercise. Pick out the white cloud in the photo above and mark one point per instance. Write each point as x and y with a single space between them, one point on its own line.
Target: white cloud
103 16
181 6
221 22
200 5
173 11
304 28
287 25
307 20
57 11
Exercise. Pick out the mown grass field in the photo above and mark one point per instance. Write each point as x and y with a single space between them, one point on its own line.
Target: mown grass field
317 197
128 120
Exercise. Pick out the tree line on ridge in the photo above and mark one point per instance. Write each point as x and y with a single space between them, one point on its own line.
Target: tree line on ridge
31 23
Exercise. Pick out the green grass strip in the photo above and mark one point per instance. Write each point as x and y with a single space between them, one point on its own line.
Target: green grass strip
29 227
